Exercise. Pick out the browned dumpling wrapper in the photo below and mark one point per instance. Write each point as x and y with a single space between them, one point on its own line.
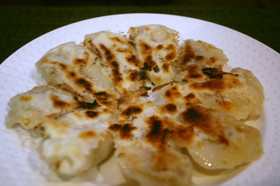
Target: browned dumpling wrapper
77 141
157 46
196 59
119 60
77 69
32 108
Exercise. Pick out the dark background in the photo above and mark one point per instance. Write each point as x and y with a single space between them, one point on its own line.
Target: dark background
24 20
261 4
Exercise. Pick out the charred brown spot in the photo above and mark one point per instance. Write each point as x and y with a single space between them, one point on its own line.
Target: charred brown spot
193 72
157 134
136 76
84 83
115 127
25 98
170 108
185 133
131 111
108 55
132 60
149 63
198 58
88 105
170 56
188 54
213 73
58 103
165 67
145 47
159 47
117 40
116 71
62 66
190 96
80 61
86 135
223 140
213 59
91 114
172 94
200 118
125 130
72 74
213 84
156 69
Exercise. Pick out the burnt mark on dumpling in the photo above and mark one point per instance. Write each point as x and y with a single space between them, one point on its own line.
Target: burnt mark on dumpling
116 72
58 103
82 82
159 47
184 133
192 72
145 47
87 135
108 54
133 60
165 67
91 114
25 98
172 93
102 97
137 76
171 53
114 65
191 98
157 133
188 54
88 105
124 130
149 63
117 39
227 82
169 108
132 111
82 61
213 73
201 118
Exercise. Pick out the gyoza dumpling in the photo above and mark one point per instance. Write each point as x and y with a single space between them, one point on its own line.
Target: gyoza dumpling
77 141
76 69
157 47
32 108
195 58
216 140
143 148
238 93
152 167
119 60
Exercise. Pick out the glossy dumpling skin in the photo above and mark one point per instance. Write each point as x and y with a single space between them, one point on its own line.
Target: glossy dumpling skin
216 140
77 69
77 141
195 57
157 47
143 148
148 166
118 59
32 108
238 93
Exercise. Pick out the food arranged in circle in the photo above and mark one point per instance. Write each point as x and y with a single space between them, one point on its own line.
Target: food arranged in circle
159 105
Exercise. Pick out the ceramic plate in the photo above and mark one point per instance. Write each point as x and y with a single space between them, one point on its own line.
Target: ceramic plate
19 161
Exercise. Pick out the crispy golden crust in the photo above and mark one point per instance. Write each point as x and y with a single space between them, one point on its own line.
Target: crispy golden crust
150 97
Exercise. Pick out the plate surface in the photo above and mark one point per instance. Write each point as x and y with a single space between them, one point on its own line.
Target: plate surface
18 74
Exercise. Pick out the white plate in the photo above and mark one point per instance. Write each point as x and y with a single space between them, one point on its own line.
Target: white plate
17 74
